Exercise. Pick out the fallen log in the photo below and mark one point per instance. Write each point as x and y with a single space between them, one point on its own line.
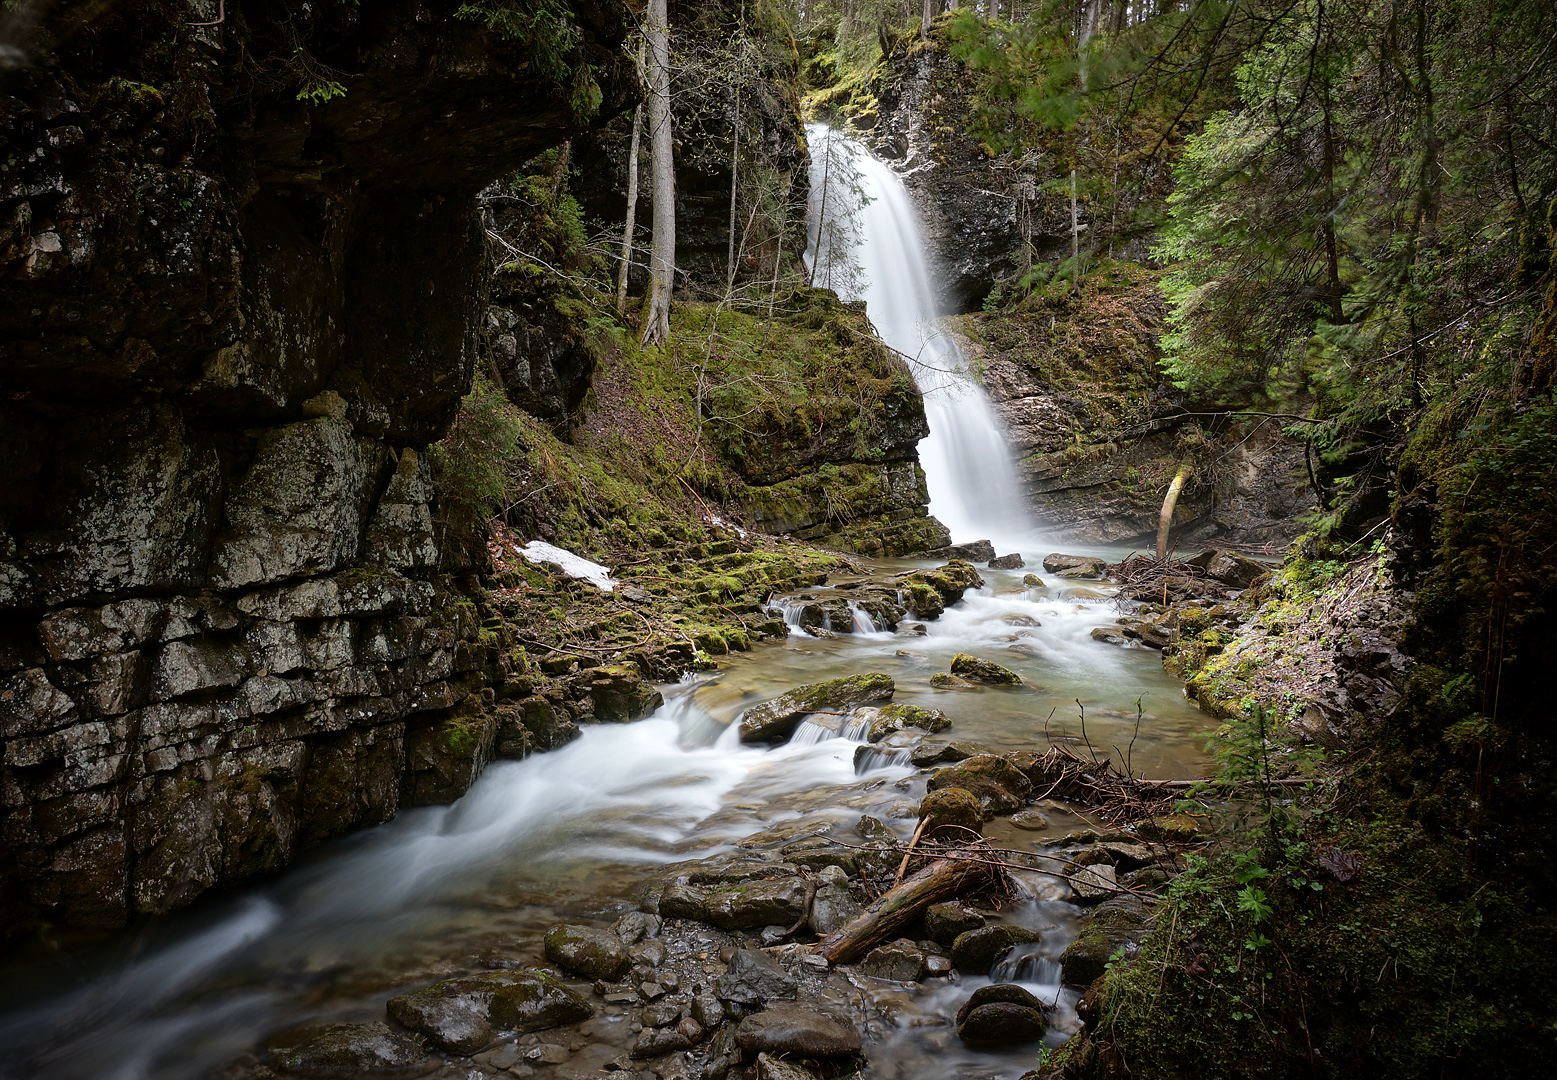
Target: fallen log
895 909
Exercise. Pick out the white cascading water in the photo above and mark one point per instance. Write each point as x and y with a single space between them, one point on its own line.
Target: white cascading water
881 260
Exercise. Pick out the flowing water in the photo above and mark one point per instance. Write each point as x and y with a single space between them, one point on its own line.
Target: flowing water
576 833
874 252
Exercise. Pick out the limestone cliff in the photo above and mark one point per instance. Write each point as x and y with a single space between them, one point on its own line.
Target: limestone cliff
243 270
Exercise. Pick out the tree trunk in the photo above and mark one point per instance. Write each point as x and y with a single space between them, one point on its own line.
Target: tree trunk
924 21
632 214
1169 501
895 909
663 264
1075 238
559 171
735 173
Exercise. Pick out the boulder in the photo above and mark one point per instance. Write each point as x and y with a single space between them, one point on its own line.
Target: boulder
1120 922
655 1042
462 1015
1228 567
965 666
618 693
797 1031
834 906
754 978
1000 786
975 951
1032 581
586 951
942 680
934 753
776 719
1109 635
949 582
944 923
1002 1023
900 961
1012 561
1094 883
347 1050
1170 828
976 551
756 904
895 717
684 902
1074 566
950 811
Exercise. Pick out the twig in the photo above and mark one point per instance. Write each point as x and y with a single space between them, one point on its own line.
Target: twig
902 867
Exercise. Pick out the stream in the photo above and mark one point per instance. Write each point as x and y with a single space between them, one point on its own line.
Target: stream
577 834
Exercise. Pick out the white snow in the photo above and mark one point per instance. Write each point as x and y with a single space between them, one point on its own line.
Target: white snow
575 566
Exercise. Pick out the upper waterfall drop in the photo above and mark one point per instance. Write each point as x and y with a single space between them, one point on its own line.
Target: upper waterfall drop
872 250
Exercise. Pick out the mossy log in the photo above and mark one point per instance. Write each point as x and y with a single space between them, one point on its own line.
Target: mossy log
961 872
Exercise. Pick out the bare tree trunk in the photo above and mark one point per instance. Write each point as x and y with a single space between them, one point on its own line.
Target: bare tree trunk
735 174
895 909
662 274
1169 501
632 214
924 21
559 171
1075 238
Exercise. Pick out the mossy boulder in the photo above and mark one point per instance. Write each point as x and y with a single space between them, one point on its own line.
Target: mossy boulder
945 922
895 717
755 904
344 1050
618 693
463 1015
1074 566
949 581
1170 828
966 666
1032 581
976 951
776 719
1001 1015
922 599
950 811
586 951
942 680
1000 787
1118 923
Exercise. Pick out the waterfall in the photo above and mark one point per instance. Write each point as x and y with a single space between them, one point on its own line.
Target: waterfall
872 250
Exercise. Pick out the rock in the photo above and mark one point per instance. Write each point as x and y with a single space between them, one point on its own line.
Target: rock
1032 581
1093 883
1012 561
977 551
635 926
817 852
1002 1023
777 718
707 1010
834 906
1074 566
684 902
618 693
1000 786
1109 635
655 1042
933 753
1031 820
1119 923
946 584
900 961
983 671
757 904
660 1015
754 978
462 1015
798 1031
369 1050
1228 567
895 717
943 681
772 1068
1147 633
944 923
952 812
1169 828
586 951
974 952
874 829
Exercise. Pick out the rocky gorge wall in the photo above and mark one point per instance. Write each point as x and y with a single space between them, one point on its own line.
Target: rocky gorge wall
243 272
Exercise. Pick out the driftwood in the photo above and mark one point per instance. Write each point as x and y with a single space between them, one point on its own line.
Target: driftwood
895 909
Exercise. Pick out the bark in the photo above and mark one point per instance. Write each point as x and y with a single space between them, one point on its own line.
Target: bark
663 262
559 172
895 909
735 173
632 214
1075 237
924 22
1169 501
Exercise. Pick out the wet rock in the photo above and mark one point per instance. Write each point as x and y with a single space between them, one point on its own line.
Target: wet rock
1000 786
1147 633
1012 561
900 961
655 1042
757 904
976 551
976 951
1093 883
973 669
691 1030
1001 1015
707 1010
1170 828
936 967
1031 820
1109 635
586 951
660 1015
1120 922
772 1068
348 1050
797 1031
754 978
1147 879
873 828
635 926
934 753
462 1015
947 583
648 953
1074 566
684 902
896 717
618 693
1032 581
944 923
816 852
834 906
1228 567
951 812
942 680
777 718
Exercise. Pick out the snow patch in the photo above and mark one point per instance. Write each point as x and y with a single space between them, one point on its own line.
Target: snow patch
575 566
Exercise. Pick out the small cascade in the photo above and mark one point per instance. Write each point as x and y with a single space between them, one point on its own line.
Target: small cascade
863 623
1026 967
870 758
790 611
865 231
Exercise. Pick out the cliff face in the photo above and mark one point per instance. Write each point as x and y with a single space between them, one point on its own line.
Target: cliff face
243 274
